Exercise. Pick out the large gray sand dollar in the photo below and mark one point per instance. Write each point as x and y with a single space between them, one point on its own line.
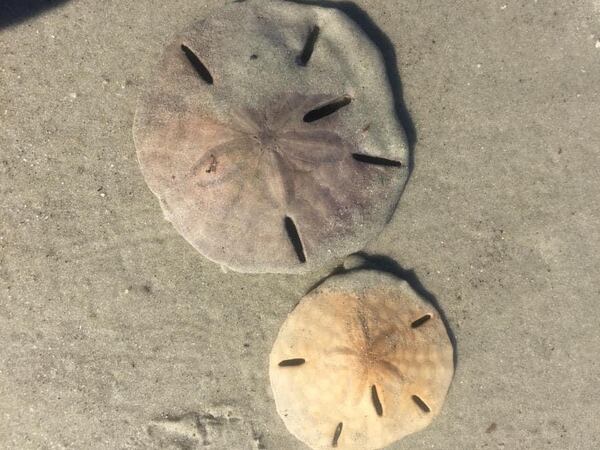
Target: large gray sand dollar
270 138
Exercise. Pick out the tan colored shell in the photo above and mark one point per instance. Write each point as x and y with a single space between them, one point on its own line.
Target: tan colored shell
360 367
265 156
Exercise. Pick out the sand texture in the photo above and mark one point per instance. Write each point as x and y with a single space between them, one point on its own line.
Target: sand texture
115 333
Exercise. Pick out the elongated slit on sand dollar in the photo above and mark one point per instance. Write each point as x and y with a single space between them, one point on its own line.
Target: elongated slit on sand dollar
270 137
377 363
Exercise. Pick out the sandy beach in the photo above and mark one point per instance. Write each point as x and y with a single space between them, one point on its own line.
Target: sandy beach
116 334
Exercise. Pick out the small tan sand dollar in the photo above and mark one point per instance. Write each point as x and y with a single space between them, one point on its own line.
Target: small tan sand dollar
361 362
270 137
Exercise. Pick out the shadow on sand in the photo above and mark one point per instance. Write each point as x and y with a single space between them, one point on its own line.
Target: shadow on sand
16 11
388 53
386 264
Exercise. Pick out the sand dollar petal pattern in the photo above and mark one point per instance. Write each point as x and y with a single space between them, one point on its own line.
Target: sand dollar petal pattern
361 362
269 144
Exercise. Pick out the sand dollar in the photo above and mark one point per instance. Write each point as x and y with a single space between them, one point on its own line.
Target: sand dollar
361 362
270 137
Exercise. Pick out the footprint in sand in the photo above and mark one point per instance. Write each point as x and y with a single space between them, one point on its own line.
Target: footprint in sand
192 430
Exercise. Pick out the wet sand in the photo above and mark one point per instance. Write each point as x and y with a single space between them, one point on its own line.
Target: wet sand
116 333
